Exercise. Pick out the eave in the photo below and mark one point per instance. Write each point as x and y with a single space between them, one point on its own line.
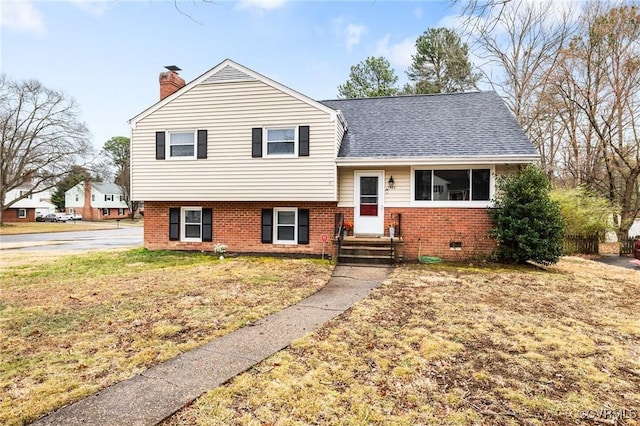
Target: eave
439 161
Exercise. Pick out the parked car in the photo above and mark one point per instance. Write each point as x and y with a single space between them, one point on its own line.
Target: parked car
636 249
51 217
63 217
40 218
76 216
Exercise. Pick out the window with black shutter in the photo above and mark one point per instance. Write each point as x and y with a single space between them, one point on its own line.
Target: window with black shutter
267 225
256 142
207 225
303 140
174 224
303 226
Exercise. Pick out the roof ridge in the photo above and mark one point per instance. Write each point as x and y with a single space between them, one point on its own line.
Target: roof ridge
417 95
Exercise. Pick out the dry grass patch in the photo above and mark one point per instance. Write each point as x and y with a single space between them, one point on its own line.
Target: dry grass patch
456 345
74 325
42 227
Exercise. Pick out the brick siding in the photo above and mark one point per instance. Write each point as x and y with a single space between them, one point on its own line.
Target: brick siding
11 215
435 228
238 226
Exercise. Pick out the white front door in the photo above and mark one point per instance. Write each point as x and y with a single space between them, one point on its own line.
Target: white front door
369 206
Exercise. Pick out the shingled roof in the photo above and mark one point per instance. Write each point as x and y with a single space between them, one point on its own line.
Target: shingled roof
463 125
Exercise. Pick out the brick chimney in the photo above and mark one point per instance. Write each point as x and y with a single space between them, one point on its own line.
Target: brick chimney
170 81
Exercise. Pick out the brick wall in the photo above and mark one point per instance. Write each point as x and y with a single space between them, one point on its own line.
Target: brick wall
89 213
435 228
238 225
11 215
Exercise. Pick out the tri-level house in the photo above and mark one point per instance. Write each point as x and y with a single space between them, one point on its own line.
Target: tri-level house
96 201
28 206
234 157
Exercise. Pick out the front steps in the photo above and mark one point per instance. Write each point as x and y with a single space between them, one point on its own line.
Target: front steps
370 250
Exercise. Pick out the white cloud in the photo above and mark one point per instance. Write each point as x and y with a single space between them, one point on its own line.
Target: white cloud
21 16
348 33
353 35
398 54
418 12
261 5
92 7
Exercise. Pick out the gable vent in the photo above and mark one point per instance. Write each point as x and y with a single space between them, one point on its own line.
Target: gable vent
228 73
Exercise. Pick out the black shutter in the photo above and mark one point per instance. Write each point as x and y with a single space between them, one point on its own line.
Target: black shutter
174 224
256 142
303 226
267 225
202 144
207 225
303 141
160 145
17 213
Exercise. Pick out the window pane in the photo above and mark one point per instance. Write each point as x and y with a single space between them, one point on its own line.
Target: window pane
454 183
192 231
369 185
286 233
286 218
192 216
181 138
277 135
368 200
280 148
423 185
182 151
481 179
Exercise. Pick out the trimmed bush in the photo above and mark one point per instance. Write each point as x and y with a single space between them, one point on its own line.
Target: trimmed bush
528 225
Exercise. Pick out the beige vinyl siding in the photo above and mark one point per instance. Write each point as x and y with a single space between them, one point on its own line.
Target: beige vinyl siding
228 111
397 197
340 131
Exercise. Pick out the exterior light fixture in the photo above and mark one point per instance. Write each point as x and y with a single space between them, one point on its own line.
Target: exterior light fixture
391 183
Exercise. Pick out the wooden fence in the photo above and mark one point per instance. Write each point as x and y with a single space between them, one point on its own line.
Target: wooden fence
626 246
582 244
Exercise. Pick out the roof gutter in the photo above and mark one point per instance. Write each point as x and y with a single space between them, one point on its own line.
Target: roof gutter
440 161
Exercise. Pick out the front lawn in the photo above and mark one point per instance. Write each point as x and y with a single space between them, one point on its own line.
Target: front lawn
74 325
41 227
456 345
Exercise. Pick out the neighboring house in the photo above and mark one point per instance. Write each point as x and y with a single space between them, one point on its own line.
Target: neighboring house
234 157
96 201
28 208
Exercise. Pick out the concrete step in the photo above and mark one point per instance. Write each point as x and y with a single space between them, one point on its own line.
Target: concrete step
366 251
365 259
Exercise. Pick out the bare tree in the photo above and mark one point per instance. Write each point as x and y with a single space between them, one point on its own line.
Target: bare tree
520 44
41 135
599 78
118 151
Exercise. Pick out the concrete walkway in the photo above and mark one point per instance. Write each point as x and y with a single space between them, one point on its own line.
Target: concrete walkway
154 395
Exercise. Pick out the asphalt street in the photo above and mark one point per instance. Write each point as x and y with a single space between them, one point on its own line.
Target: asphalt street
74 241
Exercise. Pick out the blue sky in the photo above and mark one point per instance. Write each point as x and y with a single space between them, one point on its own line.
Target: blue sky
108 55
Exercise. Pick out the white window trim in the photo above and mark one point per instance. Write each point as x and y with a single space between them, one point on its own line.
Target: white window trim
275 225
265 141
183 225
167 144
107 210
454 204
22 213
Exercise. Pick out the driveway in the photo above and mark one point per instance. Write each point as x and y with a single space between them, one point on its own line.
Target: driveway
614 259
74 241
